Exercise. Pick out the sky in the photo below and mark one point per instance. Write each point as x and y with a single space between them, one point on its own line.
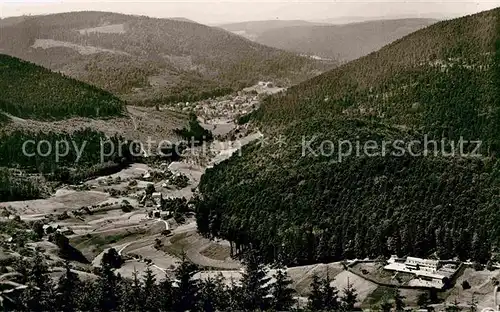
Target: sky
218 12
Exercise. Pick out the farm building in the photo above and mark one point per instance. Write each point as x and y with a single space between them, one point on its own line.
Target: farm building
428 273
422 264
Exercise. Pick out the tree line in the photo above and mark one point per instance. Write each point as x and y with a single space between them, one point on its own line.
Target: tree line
31 288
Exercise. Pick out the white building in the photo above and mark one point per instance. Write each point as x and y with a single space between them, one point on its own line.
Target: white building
427 272
420 264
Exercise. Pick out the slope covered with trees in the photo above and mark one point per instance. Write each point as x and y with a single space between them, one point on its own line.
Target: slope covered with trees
289 201
26 157
31 91
148 58
338 42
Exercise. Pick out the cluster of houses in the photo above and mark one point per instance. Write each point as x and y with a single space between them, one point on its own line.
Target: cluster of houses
155 200
230 106
227 107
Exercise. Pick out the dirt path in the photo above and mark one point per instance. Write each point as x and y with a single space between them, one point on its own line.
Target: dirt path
167 226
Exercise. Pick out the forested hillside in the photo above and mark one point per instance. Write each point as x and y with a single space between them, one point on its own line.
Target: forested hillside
31 91
440 83
254 29
149 59
62 158
338 42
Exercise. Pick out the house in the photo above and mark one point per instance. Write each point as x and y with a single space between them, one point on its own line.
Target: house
160 214
147 176
417 264
49 229
64 230
157 195
427 272
157 199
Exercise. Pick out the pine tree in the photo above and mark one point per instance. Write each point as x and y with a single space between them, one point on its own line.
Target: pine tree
255 288
186 295
39 294
315 298
127 297
67 289
88 296
235 295
398 301
214 295
385 305
323 295
281 291
166 295
330 293
455 307
349 298
151 291
108 288
136 294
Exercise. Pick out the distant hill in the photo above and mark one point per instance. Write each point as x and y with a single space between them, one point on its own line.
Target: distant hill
361 19
149 59
9 21
254 29
339 42
31 91
330 182
182 19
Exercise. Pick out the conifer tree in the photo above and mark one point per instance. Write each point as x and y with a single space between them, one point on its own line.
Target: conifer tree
68 289
151 291
166 294
107 287
399 301
255 288
88 297
349 298
136 294
214 295
282 293
330 293
385 305
39 295
455 307
235 295
186 294
323 296
315 298
473 303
